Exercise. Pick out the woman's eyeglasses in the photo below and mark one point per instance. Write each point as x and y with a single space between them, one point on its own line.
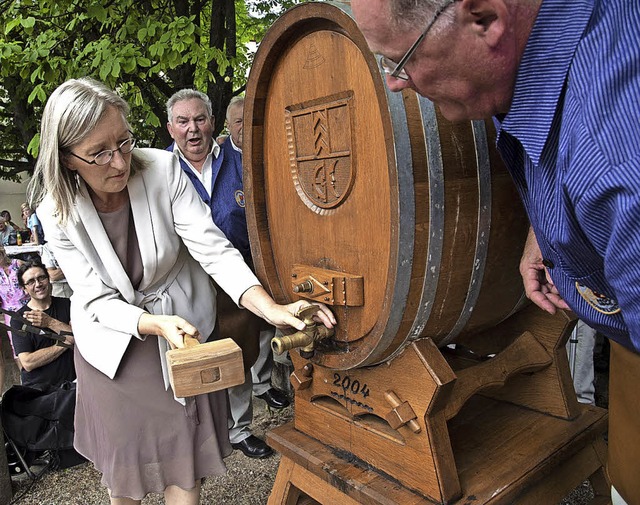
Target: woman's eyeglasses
104 157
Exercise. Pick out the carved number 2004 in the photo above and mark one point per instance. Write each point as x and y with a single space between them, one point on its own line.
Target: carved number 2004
350 385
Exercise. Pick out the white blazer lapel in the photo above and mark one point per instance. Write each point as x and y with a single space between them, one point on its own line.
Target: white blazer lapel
98 236
143 220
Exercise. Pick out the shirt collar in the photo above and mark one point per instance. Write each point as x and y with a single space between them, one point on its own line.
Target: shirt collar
215 150
235 147
543 71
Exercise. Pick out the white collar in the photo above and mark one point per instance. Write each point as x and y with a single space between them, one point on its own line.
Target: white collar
235 147
215 150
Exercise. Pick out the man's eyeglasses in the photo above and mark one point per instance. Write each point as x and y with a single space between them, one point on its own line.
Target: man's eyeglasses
40 278
104 157
396 70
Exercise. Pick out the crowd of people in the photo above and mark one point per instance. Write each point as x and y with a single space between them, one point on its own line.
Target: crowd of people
17 296
154 245
13 234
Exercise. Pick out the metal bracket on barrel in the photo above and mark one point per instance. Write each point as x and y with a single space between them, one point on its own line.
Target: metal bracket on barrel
327 286
301 379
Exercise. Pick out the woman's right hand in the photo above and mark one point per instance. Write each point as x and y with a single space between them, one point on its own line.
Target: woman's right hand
173 328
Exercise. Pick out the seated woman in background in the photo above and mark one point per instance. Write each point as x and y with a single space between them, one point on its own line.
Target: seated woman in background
138 247
12 297
7 217
33 224
5 231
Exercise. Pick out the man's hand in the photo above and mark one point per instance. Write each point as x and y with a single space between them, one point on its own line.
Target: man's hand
41 319
538 285
38 318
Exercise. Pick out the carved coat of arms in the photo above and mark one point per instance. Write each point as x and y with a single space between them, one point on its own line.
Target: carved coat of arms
319 139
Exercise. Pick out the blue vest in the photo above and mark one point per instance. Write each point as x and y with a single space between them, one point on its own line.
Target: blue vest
227 196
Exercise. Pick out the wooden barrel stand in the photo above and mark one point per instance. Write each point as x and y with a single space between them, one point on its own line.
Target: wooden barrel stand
431 426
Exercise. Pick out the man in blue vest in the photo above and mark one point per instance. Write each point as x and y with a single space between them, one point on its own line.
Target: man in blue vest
261 369
216 173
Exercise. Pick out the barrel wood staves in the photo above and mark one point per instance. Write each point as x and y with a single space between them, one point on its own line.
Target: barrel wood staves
344 177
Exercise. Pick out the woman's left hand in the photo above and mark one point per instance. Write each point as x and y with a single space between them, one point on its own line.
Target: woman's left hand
258 301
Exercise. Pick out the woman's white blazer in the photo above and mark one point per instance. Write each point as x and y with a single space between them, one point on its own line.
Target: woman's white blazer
181 249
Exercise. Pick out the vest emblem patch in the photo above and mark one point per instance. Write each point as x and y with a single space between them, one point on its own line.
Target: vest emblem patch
602 303
239 195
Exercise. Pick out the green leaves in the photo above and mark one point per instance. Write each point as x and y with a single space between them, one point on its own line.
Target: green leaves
146 49
34 145
98 12
38 92
28 23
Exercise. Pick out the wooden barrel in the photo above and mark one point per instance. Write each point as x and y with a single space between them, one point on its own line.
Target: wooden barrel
405 224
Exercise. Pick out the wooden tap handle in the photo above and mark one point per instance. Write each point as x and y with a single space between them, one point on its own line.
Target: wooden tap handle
401 414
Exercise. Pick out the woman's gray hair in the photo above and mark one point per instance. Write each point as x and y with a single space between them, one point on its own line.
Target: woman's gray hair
187 94
72 112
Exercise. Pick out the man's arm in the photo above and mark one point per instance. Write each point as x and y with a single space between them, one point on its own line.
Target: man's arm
41 319
55 274
36 359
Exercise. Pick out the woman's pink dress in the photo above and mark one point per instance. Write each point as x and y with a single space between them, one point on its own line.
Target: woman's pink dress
12 295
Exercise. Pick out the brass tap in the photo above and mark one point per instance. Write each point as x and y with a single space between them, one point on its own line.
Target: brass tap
305 339
303 287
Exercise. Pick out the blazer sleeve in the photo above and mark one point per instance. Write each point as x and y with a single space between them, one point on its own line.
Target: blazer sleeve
205 242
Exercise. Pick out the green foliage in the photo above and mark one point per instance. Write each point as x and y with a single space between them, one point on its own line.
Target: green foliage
146 49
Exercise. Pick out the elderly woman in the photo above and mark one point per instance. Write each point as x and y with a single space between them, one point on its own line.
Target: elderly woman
138 247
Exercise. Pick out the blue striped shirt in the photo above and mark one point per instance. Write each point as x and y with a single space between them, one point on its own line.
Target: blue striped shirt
572 143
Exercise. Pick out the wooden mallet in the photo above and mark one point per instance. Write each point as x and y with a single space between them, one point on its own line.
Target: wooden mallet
203 368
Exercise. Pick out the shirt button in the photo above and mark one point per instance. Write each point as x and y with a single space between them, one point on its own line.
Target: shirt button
548 263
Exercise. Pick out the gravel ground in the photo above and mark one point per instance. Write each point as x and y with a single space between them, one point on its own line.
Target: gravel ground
247 482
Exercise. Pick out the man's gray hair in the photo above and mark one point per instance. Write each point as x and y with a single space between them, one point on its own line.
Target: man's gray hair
409 13
235 101
187 94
